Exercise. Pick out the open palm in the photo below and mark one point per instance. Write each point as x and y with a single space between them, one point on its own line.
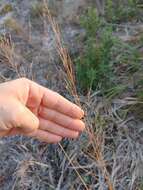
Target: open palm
30 109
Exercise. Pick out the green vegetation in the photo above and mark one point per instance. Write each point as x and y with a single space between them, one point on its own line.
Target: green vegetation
105 58
122 11
94 66
126 57
114 91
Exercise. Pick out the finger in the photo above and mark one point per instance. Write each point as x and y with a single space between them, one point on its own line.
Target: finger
57 129
52 100
56 102
45 136
61 119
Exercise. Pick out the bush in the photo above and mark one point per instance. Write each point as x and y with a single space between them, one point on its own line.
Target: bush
94 66
104 57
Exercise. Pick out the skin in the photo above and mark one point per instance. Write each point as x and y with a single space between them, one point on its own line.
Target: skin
29 109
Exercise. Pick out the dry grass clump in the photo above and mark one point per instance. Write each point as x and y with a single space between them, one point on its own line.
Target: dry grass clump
95 136
10 57
67 63
100 147
6 49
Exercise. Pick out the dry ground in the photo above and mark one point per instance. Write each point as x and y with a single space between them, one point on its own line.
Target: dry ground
110 158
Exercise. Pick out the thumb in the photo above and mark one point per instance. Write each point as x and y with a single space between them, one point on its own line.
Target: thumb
26 120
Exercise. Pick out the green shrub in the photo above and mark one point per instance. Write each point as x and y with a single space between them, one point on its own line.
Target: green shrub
94 66
105 60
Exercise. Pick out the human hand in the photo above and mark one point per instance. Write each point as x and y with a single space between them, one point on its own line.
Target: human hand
29 109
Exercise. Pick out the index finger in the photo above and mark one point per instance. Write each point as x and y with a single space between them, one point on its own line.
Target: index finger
57 102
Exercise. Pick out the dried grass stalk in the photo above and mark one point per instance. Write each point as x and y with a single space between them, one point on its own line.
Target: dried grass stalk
68 66
7 52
